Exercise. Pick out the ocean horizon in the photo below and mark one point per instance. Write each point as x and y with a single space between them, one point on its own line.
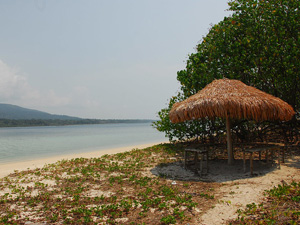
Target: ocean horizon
28 143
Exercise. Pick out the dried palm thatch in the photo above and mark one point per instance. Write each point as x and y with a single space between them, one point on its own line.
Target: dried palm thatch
231 99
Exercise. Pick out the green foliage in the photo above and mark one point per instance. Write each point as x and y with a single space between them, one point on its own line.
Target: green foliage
258 44
169 219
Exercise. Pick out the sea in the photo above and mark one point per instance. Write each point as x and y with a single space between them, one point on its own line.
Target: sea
27 143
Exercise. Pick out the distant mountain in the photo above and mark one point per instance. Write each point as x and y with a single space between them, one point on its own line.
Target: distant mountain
13 112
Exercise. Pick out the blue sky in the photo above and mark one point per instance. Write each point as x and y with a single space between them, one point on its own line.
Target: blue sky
99 58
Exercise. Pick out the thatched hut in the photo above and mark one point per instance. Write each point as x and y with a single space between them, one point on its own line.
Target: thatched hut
231 99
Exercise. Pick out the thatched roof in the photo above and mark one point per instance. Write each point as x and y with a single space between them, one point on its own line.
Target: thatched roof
233 98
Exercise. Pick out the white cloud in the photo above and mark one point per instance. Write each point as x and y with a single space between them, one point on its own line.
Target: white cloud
15 89
10 82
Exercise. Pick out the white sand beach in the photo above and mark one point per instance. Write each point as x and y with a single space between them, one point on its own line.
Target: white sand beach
8 168
238 188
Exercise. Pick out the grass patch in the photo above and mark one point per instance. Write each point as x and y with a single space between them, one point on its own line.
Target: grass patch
112 189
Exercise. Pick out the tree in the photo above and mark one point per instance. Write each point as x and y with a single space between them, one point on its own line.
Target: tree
258 44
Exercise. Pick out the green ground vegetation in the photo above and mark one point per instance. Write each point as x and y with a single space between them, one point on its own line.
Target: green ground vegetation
123 189
112 189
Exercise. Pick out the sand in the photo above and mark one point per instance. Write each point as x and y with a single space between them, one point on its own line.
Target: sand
239 190
8 168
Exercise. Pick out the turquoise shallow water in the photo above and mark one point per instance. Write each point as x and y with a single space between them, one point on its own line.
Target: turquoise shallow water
17 144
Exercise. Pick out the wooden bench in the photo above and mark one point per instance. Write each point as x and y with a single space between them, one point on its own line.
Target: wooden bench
271 148
202 152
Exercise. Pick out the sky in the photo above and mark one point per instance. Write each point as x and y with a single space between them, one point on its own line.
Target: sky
103 59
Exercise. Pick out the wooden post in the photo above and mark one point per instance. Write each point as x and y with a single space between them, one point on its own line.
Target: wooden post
201 165
279 158
196 162
244 160
251 163
207 161
229 141
284 149
272 156
185 158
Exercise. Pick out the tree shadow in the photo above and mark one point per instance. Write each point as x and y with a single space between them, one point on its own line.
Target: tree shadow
218 171
293 161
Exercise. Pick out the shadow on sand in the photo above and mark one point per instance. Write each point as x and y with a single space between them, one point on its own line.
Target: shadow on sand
219 171
293 162
293 157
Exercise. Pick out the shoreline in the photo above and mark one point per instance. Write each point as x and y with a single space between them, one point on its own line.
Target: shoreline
8 168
